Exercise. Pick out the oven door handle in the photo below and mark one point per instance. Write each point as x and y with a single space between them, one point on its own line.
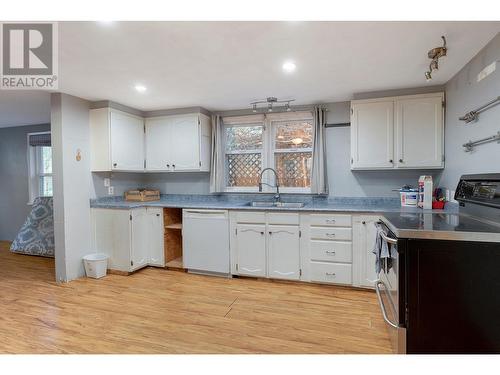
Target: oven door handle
388 239
381 303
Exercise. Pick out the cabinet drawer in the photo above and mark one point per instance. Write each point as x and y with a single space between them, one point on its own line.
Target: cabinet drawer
330 220
283 218
318 233
331 251
335 273
251 217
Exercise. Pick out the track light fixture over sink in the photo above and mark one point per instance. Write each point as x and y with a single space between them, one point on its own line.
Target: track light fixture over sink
270 102
434 54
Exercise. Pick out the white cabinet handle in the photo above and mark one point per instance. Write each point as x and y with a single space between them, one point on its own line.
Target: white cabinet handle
330 234
330 221
331 274
330 252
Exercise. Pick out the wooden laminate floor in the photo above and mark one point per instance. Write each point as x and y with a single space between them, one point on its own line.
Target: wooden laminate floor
160 311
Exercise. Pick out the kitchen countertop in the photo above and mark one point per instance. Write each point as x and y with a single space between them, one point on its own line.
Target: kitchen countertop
404 222
436 226
241 202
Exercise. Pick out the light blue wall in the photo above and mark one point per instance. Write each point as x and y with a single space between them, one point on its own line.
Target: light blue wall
463 94
14 180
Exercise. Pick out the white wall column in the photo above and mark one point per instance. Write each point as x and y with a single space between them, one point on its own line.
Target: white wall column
72 178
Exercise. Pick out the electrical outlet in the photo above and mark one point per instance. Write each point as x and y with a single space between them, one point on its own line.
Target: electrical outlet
107 182
111 190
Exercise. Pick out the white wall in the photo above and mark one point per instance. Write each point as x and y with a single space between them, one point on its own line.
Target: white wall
463 94
72 181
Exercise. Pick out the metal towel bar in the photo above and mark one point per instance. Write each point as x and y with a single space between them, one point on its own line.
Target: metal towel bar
469 146
473 115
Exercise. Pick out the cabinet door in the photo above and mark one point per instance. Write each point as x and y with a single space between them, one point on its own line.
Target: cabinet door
185 143
251 249
284 254
158 150
372 135
140 232
363 259
111 236
127 142
155 237
419 132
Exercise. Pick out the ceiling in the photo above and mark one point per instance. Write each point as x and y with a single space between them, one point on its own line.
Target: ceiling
24 108
226 65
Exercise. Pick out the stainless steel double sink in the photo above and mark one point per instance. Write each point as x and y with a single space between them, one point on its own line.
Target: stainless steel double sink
276 204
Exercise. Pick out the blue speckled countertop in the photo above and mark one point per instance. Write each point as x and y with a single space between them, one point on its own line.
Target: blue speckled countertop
241 202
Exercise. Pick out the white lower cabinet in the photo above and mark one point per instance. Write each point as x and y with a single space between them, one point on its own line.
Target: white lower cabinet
284 252
250 244
132 239
265 244
364 232
156 253
337 273
327 248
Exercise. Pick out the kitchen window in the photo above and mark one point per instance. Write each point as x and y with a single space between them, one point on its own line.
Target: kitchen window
282 141
40 165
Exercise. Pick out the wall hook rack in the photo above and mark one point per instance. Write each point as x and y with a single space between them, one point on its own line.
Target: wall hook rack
473 115
469 146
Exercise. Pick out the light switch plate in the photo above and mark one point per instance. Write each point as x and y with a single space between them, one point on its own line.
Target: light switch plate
111 190
107 182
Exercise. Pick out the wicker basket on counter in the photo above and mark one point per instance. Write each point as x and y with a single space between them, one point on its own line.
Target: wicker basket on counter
142 195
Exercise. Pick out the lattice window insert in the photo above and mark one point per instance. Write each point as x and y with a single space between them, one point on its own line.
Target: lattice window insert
243 169
294 168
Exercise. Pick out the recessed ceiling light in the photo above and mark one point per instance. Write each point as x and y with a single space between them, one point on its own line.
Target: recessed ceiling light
140 88
289 66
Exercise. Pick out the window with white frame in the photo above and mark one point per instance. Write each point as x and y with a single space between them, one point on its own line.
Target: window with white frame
40 165
280 141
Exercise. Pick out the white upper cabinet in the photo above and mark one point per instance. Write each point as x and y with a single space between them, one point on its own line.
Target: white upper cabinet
116 141
398 132
178 143
123 142
419 132
372 133
158 148
127 144
284 252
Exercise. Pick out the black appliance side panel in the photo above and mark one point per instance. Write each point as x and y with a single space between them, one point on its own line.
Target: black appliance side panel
453 296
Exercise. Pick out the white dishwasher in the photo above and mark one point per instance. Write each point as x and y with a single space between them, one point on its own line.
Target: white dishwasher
205 240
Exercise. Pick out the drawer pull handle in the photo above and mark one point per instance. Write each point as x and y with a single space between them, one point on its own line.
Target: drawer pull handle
330 252
332 274
331 221
330 234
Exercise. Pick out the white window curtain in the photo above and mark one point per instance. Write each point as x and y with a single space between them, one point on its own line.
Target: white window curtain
216 161
319 178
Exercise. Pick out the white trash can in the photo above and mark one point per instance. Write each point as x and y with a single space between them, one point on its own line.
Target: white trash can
96 265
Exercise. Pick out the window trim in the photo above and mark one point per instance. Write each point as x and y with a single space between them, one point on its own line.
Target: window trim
243 189
34 163
272 150
268 146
